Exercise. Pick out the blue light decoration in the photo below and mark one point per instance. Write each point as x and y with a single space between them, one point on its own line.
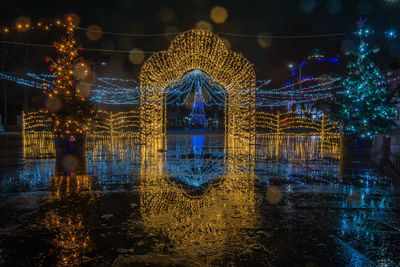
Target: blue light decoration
197 117
119 91
365 108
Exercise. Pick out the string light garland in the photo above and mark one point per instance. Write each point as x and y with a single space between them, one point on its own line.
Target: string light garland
204 51
67 102
365 108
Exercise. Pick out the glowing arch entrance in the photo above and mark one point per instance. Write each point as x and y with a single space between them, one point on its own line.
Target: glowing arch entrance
204 51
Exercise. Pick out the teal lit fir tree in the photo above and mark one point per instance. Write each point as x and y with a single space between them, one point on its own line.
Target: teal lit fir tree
197 117
365 108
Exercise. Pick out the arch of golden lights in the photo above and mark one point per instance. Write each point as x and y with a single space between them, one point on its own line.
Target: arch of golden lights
198 50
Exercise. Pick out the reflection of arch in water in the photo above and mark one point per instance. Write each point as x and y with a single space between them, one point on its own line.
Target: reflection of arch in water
204 51
210 223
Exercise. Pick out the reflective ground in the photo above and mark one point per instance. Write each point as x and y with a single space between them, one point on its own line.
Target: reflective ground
196 200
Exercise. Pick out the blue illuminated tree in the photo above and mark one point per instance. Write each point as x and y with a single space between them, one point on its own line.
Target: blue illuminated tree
365 107
197 117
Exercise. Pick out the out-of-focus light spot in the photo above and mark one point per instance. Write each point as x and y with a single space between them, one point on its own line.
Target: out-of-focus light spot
307 6
264 39
75 18
81 71
83 89
53 104
201 3
395 49
165 14
348 45
94 32
218 14
204 25
334 6
69 163
274 195
365 6
354 197
23 23
136 56
168 30
227 45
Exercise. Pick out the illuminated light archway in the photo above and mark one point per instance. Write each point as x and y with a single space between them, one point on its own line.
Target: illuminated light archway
204 51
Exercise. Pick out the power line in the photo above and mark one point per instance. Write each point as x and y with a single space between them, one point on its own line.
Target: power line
221 33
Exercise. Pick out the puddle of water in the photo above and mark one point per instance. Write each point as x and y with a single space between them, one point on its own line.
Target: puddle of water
197 200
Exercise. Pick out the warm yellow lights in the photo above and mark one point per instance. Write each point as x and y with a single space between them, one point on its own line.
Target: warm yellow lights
110 124
301 123
198 50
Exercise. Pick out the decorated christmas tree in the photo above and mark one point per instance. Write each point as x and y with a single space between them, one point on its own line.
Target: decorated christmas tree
67 102
197 117
365 108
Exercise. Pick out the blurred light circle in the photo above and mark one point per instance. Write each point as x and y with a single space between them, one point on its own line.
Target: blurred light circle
365 6
204 25
70 163
170 32
23 23
94 32
136 56
165 14
201 3
75 18
395 49
334 6
81 71
83 89
53 104
264 39
348 45
218 14
274 195
307 6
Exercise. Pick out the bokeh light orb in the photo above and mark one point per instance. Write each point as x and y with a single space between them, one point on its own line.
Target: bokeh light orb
333 6
273 195
94 32
23 23
218 14
136 56
170 32
165 15
395 49
365 7
307 6
204 25
81 71
83 89
53 104
264 39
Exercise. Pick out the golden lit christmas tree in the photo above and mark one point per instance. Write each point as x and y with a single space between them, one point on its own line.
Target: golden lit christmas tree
67 102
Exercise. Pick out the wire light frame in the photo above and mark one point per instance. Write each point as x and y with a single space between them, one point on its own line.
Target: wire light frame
198 50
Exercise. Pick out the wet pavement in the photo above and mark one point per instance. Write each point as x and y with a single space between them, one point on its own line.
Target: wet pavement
196 200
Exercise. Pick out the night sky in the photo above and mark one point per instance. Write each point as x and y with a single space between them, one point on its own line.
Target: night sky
278 18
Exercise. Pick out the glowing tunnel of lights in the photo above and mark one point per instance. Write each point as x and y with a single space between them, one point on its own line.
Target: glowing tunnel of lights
190 53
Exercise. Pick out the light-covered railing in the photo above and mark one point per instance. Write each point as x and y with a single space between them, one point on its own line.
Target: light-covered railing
106 123
296 122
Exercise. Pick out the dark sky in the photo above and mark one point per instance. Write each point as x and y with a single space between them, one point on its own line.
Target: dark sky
278 17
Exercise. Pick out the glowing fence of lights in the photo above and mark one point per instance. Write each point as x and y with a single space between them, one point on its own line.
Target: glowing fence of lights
302 123
108 123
